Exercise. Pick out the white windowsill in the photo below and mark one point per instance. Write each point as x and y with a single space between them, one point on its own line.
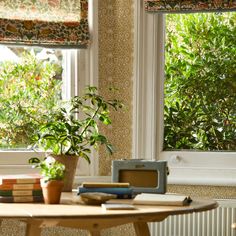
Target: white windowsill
202 176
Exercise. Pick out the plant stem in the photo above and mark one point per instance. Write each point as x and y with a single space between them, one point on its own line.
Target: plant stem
85 128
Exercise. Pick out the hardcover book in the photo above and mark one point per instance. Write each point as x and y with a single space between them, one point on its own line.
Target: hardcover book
20 199
20 192
161 199
120 192
20 179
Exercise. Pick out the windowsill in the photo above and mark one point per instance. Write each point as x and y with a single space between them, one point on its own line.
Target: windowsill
200 168
202 176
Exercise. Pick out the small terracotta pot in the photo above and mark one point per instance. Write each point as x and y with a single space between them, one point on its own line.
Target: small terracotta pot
52 191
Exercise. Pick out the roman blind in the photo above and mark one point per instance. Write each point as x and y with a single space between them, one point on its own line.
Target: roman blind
189 5
46 23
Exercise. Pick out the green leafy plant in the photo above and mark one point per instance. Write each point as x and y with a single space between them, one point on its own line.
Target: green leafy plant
74 127
200 85
49 168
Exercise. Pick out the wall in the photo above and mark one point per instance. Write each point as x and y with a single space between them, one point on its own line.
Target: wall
215 192
116 70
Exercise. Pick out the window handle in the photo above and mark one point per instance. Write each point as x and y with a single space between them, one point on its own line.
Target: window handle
234 226
175 159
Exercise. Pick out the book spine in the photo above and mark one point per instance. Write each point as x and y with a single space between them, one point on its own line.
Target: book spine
20 187
120 192
105 185
21 199
124 196
20 192
21 181
161 203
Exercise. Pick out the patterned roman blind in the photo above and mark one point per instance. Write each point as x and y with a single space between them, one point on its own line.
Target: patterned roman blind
46 23
189 5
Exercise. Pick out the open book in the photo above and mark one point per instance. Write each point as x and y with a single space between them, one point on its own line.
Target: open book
161 199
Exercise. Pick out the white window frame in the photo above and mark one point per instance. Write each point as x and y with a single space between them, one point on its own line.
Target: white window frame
81 70
204 168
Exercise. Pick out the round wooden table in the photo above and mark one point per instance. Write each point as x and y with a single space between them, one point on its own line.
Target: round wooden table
92 218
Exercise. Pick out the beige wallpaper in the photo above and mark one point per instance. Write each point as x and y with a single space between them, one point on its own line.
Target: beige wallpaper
215 192
116 70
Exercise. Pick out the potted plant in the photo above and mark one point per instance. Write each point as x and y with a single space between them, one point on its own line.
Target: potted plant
73 129
53 173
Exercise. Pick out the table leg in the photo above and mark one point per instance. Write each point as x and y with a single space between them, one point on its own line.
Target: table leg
33 230
94 233
141 229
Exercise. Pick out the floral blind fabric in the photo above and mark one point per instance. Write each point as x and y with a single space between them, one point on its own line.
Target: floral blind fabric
189 5
46 23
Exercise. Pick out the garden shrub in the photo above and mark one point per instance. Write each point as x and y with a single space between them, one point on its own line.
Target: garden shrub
200 82
29 91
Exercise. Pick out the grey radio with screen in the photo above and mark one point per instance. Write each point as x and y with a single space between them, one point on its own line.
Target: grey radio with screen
143 175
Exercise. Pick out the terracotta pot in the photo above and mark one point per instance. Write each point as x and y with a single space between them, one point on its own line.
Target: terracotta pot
52 191
70 163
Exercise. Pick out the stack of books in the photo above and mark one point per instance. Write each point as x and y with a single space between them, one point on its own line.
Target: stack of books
20 188
121 190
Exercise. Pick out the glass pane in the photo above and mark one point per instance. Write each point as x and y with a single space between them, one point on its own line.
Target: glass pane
200 82
30 89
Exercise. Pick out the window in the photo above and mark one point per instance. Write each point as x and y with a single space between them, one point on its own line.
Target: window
79 69
186 167
50 76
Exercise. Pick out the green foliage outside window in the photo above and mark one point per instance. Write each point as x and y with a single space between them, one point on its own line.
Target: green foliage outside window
200 82
29 90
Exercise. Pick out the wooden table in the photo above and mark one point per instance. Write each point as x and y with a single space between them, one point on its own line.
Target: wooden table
72 214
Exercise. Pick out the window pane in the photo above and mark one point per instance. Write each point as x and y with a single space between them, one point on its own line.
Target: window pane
200 82
30 89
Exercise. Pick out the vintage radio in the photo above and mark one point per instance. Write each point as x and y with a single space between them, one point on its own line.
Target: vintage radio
143 175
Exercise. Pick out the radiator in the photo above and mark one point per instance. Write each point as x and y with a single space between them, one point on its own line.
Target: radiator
216 222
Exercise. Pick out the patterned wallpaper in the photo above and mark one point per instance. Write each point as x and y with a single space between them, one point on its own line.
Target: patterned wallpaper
216 192
116 70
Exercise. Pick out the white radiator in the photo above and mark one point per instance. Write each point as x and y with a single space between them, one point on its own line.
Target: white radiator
216 222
